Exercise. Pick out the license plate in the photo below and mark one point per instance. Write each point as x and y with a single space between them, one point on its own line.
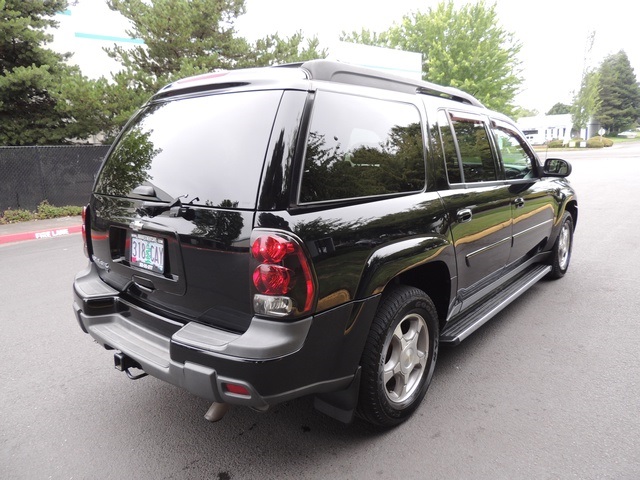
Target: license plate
147 252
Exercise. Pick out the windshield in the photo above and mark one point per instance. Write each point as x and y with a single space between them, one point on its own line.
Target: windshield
208 150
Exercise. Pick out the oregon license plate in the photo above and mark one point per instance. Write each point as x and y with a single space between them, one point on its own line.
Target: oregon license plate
147 252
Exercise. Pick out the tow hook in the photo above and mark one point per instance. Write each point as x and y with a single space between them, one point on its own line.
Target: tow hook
124 363
216 411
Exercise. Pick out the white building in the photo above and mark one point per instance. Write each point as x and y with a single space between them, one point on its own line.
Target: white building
543 128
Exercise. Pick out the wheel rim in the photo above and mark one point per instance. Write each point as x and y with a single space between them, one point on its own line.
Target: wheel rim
564 246
406 359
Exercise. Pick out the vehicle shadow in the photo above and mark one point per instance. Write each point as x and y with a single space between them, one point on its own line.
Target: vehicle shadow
291 437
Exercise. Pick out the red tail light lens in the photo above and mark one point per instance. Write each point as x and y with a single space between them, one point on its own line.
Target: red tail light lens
283 280
271 249
272 279
236 389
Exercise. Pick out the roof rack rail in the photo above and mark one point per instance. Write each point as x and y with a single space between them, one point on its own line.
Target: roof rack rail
333 71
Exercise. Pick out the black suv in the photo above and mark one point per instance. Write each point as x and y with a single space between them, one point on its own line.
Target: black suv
313 229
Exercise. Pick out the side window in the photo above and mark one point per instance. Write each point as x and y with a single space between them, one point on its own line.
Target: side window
449 148
517 162
360 147
478 163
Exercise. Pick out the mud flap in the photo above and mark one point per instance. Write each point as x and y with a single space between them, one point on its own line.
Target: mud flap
340 405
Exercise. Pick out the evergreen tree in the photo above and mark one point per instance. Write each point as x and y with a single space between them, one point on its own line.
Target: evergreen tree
619 94
29 73
43 100
189 37
273 50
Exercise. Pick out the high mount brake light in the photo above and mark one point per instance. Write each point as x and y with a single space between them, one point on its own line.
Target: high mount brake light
204 76
283 280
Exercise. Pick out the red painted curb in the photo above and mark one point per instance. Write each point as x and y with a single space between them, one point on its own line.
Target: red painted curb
57 232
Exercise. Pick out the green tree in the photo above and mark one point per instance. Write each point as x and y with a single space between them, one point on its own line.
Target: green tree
367 37
559 109
273 50
587 102
465 48
181 37
189 37
619 94
519 112
42 99
28 74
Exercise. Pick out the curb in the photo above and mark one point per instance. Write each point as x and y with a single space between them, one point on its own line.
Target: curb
57 232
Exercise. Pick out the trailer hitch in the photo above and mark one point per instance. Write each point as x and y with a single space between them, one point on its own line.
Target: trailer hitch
124 363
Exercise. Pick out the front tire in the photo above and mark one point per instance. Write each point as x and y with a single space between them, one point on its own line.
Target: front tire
561 254
399 357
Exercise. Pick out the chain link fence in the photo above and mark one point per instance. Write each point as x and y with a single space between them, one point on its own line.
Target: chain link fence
62 175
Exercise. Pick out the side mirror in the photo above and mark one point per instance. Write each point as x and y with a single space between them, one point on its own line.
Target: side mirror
556 167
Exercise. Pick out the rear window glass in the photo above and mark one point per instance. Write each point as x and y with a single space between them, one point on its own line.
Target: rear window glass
359 147
210 148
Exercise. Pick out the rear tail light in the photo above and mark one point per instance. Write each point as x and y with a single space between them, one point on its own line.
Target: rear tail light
283 280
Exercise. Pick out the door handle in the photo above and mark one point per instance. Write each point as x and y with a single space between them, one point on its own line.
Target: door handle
519 202
464 215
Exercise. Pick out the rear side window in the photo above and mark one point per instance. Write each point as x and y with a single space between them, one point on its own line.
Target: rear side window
210 148
359 147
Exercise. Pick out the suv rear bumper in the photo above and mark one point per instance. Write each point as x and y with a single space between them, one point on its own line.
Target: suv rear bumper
273 360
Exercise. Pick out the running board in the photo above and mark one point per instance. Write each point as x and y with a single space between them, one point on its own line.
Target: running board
460 327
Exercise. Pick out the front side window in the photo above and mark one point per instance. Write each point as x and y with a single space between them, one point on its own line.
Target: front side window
476 155
360 147
517 162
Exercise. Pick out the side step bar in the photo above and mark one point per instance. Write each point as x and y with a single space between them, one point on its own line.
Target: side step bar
469 321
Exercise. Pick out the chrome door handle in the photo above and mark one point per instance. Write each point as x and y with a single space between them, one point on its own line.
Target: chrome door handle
464 215
519 202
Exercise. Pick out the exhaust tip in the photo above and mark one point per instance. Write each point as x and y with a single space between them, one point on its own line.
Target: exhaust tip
216 412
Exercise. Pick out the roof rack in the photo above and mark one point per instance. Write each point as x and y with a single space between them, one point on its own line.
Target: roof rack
332 71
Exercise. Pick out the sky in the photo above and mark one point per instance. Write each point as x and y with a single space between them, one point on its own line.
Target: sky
553 33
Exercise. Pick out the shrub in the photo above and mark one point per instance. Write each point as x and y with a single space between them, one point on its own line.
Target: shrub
595 142
607 142
555 143
44 210
14 216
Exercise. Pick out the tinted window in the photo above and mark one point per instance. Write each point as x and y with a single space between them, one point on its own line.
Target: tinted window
449 148
210 147
475 150
359 147
518 163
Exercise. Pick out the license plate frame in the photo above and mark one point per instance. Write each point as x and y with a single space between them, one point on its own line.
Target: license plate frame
147 252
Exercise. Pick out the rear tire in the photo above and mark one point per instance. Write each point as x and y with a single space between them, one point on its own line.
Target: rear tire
561 254
399 357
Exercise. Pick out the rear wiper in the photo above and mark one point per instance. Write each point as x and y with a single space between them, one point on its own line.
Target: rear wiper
175 207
